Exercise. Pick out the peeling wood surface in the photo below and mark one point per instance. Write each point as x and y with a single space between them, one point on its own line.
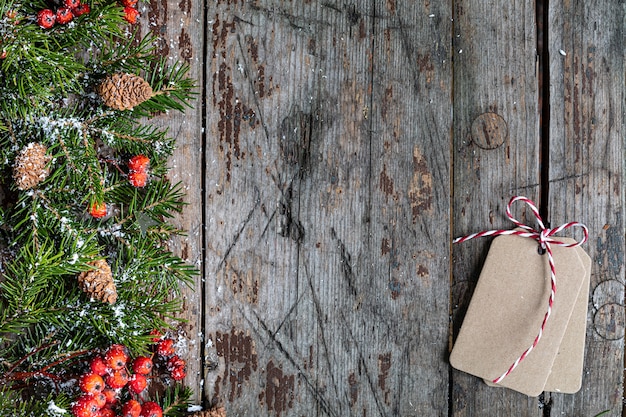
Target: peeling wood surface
335 150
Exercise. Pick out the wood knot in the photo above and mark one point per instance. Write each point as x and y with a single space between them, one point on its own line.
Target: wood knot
489 131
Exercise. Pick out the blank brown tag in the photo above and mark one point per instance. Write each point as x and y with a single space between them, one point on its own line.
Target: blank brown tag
507 309
567 370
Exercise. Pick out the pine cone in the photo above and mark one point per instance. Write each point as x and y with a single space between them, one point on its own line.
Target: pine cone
30 166
98 282
213 412
124 91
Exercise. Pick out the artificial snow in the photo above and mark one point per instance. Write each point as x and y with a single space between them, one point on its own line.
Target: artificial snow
54 410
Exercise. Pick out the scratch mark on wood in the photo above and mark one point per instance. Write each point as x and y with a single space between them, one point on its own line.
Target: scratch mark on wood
291 310
312 387
241 229
346 262
363 365
251 86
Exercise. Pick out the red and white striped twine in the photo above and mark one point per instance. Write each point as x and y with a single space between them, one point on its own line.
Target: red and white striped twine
544 237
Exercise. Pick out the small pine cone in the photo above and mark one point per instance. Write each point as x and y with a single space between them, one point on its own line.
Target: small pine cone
213 412
30 167
124 91
98 282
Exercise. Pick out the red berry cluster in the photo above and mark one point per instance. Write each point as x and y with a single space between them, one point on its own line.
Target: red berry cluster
47 18
113 376
174 364
138 170
130 11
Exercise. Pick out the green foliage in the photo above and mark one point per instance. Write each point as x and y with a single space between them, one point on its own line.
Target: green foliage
47 235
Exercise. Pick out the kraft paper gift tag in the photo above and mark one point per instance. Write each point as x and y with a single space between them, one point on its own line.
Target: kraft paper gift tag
567 369
507 309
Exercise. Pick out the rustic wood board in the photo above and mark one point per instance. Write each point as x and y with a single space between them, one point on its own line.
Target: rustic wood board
496 156
328 205
337 147
586 181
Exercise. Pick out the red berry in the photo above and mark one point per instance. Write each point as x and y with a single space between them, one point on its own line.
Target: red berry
91 383
137 383
178 373
116 357
165 347
100 399
157 335
81 9
71 4
85 406
117 379
98 366
131 408
64 15
98 211
138 163
142 365
46 18
129 3
151 409
106 412
138 178
175 362
111 395
131 14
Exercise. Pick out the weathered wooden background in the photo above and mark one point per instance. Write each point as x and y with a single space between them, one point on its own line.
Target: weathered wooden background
336 148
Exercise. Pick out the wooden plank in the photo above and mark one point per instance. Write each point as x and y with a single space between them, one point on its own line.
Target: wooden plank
406 265
496 151
327 207
179 27
586 173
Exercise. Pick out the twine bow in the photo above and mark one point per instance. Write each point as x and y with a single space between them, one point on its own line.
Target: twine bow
544 237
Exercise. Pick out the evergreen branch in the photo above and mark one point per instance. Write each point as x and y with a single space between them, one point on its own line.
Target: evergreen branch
176 401
46 95
173 90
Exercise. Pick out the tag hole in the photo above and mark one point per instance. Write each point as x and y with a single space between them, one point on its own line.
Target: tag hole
540 250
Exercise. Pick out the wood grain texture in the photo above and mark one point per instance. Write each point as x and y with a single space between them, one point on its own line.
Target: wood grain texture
177 26
496 156
346 143
328 201
586 181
